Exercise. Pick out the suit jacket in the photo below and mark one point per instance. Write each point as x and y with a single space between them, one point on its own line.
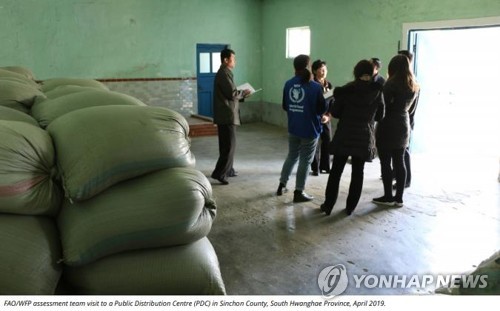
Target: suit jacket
226 98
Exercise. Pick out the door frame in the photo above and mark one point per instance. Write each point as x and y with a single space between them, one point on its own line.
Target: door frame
206 77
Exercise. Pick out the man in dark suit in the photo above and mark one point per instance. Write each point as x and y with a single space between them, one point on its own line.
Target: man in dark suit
226 115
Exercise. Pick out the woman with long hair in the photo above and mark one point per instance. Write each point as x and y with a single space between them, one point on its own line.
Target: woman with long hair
393 131
357 105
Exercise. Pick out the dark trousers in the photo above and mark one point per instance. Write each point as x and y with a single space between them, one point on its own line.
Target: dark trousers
398 170
408 166
227 146
357 175
321 161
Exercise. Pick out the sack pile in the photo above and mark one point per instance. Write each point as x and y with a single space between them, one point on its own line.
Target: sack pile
110 185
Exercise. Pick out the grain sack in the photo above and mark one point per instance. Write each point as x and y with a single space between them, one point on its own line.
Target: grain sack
10 114
168 207
191 269
15 105
22 81
64 90
18 92
29 255
50 109
27 170
98 147
50 84
20 70
484 280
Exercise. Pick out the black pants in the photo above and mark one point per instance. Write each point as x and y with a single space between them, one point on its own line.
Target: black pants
357 175
408 166
227 146
321 161
398 170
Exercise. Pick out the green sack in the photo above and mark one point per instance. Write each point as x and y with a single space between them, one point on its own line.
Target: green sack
98 147
191 269
11 114
29 255
50 109
25 72
168 207
19 92
50 84
27 170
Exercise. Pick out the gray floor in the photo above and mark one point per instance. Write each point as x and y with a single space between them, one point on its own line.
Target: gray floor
269 246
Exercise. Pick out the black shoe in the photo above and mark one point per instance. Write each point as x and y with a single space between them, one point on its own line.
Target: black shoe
398 203
384 201
281 189
232 173
315 173
348 211
222 180
325 209
325 171
301 196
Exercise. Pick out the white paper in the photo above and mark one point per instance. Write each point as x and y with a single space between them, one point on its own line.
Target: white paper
328 94
248 86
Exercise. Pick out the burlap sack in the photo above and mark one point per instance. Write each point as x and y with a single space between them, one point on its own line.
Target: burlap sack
98 147
29 255
50 109
191 269
27 170
168 207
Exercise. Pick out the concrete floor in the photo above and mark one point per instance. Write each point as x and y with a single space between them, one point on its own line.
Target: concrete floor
269 246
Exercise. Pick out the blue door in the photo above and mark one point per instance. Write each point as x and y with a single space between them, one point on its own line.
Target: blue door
207 64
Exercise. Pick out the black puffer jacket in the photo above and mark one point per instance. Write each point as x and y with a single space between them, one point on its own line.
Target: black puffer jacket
357 105
393 131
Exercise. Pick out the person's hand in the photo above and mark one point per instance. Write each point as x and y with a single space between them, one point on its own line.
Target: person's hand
246 93
325 118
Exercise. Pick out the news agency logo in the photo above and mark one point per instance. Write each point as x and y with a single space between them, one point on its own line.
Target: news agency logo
333 281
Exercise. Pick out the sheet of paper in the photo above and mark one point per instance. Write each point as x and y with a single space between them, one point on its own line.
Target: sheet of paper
328 94
247 86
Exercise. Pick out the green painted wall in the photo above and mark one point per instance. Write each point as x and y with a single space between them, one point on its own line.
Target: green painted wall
127 38
157 38
345 31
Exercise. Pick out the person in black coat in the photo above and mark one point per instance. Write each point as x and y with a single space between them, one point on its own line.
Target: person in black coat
357 105
393 131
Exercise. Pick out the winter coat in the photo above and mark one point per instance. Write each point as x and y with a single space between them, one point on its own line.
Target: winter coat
393 131
357 105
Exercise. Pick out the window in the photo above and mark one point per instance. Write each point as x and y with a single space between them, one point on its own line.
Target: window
298 41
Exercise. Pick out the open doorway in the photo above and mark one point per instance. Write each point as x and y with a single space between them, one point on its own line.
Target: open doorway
459 109
457 128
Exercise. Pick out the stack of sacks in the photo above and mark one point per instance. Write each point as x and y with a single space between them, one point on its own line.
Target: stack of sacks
29 199
18 89
136 213
59 103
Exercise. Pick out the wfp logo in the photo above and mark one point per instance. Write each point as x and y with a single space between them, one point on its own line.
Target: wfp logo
332 280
